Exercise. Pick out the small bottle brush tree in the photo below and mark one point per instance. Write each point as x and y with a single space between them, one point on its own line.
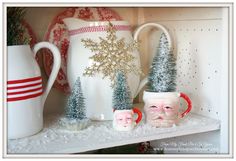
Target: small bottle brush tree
75 105
15 29
121 94
75 114
162 74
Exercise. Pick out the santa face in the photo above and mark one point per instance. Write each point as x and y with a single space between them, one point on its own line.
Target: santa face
161 112
123 120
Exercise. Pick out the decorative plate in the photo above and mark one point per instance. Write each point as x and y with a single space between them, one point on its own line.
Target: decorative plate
57 34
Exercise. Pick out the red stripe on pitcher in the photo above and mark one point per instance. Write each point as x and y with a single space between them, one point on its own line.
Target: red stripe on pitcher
26 91
98 29
24 86
24 97
24 80
23 89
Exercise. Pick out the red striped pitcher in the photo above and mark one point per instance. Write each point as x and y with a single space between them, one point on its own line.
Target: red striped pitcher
25 93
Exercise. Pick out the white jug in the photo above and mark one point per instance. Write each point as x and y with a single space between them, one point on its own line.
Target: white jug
25 94
97 88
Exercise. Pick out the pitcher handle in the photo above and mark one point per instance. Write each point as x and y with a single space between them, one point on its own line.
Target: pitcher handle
136 34
159 26
56 65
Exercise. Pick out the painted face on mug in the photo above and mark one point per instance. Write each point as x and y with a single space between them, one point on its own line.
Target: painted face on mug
124 120
161 112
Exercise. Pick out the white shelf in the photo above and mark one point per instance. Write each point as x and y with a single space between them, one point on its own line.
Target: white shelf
101 135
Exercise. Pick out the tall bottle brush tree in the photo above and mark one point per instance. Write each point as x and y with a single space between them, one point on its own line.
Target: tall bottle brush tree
76 105
121 94
162 75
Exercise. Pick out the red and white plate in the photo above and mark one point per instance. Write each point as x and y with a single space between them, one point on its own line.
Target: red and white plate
57 34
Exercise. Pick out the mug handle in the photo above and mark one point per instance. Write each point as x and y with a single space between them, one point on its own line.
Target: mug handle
136 34
139 113
189 102
56 65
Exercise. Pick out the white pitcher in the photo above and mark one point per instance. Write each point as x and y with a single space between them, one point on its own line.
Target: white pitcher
25 94
97 89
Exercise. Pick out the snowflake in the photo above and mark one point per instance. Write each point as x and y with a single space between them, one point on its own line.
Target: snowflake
111 55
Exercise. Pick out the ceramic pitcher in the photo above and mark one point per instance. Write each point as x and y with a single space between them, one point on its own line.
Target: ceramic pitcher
25 93
87 40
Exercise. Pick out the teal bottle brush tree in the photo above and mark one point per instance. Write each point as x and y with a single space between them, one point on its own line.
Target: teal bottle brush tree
162 75
75 112
121 95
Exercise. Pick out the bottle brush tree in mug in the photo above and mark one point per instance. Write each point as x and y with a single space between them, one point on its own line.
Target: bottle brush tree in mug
123 118
75 112
161 100
15 29
162 75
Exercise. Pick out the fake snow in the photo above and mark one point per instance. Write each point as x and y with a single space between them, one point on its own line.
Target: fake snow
100 134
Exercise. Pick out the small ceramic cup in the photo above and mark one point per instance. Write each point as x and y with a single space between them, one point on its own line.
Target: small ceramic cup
162 109
123 120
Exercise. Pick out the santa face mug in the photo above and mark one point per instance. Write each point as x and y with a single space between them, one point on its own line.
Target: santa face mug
123 120
162 109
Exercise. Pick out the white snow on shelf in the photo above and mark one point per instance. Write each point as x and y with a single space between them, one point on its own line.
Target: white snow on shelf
99 135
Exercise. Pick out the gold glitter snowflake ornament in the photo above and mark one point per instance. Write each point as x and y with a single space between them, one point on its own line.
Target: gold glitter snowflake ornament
111 55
